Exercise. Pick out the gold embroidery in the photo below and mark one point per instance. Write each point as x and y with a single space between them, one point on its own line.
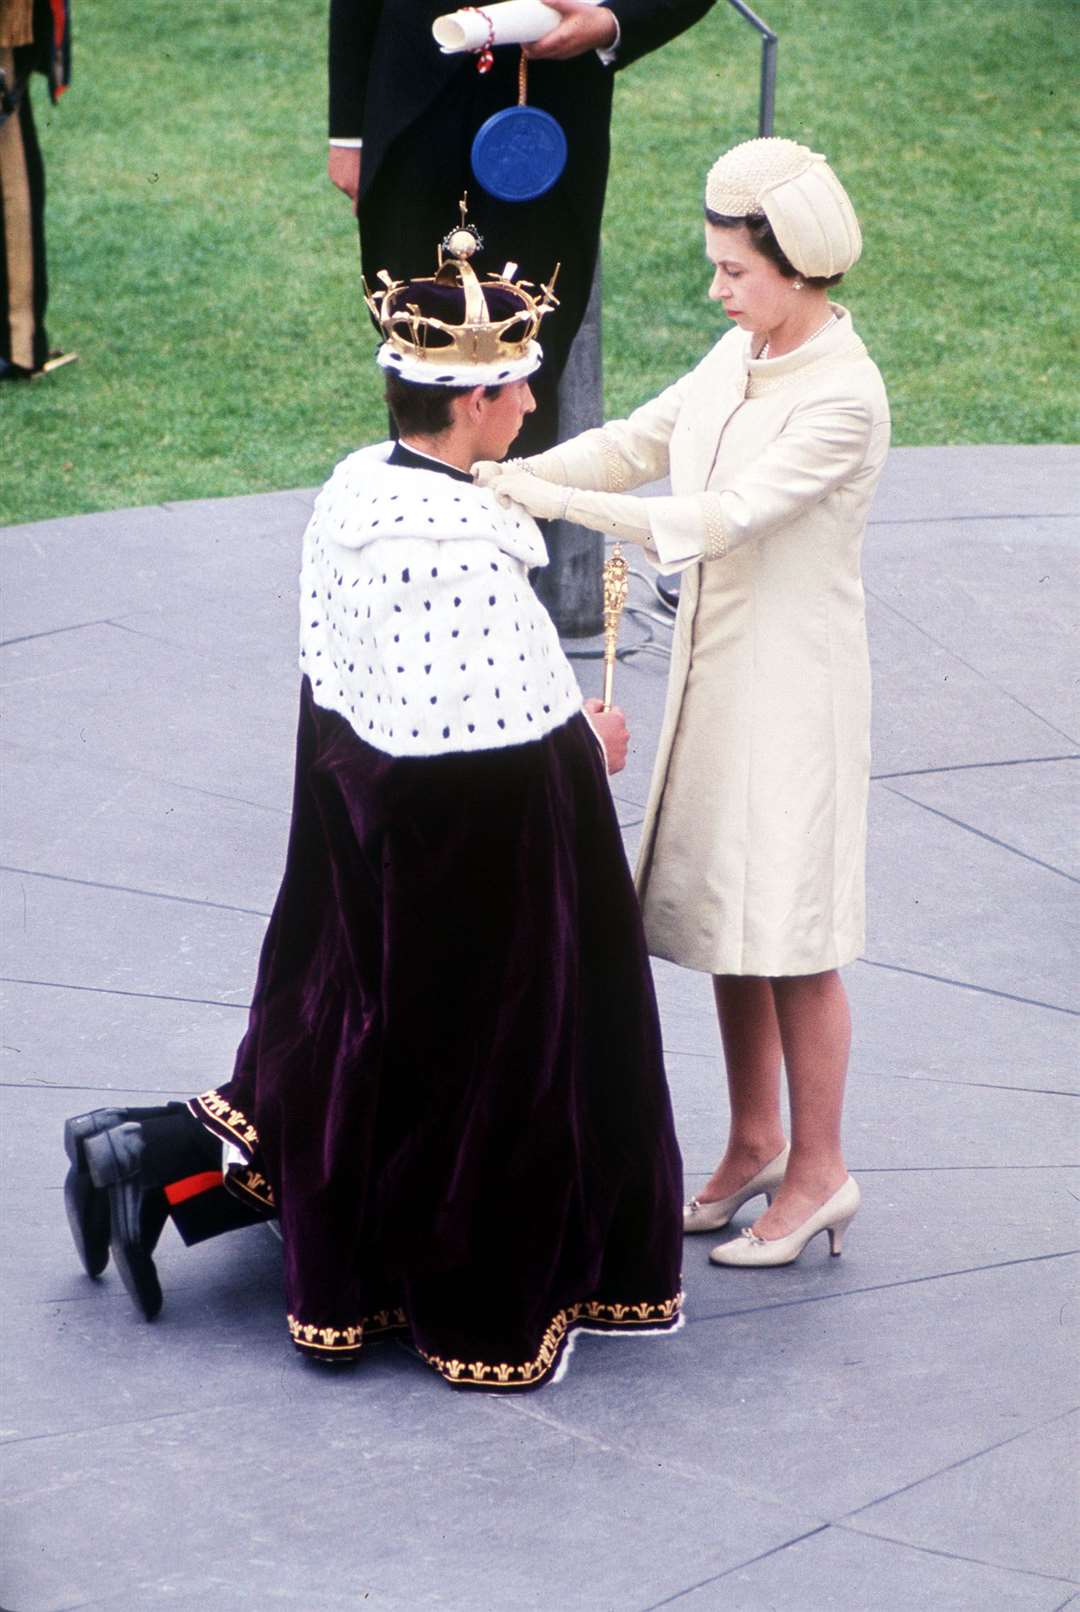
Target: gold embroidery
386 1321
504 1375
250 1183
231 1119
343 1340
483 1373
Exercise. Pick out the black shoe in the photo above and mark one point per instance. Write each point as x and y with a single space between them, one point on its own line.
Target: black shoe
137 1211
88 1206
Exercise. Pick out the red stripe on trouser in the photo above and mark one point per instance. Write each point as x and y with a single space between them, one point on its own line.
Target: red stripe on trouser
192 1185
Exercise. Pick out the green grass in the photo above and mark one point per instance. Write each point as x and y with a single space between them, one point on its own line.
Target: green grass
207 272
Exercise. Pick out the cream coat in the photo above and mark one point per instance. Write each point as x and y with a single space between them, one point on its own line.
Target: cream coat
753 848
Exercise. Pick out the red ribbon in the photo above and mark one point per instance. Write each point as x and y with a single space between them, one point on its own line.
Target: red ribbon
485 60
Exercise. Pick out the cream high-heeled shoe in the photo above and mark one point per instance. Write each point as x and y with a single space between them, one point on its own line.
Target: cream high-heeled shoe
698 1216
834 1216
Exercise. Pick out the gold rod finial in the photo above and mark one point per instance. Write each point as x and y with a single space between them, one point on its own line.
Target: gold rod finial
616 588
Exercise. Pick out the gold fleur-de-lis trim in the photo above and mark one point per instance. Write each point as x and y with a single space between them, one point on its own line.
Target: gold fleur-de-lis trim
485 1373
349 1339
345 1339
385 1321
337 1340
233 1120
250 1183
503 1374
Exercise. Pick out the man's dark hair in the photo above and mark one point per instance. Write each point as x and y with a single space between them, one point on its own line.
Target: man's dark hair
424 410
765 242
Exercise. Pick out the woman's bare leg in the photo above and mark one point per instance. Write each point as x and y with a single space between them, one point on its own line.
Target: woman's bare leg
815 1031
750 1034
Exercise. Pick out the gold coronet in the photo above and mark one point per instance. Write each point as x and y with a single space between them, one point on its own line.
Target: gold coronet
480 339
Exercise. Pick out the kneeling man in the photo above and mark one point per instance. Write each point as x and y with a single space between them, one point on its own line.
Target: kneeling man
451 1091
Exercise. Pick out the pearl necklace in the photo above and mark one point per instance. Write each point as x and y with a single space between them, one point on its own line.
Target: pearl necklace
764 353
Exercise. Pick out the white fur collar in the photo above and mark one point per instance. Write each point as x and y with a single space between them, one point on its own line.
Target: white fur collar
418 623
367 499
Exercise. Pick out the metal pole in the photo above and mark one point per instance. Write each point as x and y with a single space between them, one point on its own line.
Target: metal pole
768 85
769 41
572 587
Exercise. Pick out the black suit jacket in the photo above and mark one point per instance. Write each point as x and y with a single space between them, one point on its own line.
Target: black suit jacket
417 112
385 68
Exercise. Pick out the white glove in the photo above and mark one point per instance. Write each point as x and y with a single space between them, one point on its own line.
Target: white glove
485 472
544 500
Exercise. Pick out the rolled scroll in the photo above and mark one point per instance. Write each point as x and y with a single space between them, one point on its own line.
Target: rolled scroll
510 22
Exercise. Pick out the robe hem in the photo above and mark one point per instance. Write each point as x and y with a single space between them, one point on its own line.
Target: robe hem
344 1343
592 1315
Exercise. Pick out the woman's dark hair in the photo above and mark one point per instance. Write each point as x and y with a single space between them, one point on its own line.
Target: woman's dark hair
424 410
761 233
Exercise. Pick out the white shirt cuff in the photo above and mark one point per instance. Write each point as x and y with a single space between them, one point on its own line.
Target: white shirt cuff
346 144
609 53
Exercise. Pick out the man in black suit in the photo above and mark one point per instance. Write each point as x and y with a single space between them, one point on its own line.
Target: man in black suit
402 122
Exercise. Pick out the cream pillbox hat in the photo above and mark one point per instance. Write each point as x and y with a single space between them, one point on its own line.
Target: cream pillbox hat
806 205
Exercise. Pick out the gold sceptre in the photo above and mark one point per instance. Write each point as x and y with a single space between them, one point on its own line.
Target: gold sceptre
616 587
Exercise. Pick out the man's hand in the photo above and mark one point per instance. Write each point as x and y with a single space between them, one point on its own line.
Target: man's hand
610 728
343 168
582 29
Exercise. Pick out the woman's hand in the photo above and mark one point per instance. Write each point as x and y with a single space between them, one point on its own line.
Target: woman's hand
583 28
544 500
610 728
486 472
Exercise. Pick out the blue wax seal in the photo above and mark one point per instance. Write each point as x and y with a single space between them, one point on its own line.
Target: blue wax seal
519 153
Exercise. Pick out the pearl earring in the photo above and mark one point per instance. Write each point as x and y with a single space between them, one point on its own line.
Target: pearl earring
798 285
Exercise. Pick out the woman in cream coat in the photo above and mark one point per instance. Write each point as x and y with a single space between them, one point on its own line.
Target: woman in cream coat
752 860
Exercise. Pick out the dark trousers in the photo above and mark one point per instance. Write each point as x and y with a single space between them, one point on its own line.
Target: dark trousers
23 281
183 1159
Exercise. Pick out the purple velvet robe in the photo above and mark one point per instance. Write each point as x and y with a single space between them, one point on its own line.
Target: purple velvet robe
451 1089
